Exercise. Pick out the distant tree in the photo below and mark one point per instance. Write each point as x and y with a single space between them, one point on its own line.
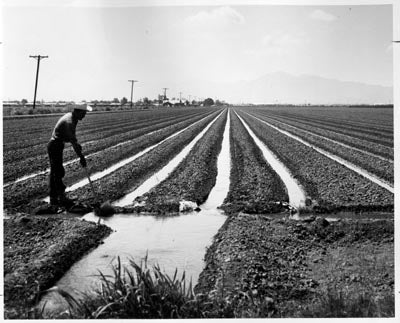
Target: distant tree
124 101
146 100
115 100
219 103
24 101
208 102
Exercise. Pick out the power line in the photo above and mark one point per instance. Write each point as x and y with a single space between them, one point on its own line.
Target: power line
132 82
165 92
38 58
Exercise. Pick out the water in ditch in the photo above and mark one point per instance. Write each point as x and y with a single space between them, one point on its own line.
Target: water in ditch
173 242
355 168
121 163
295 191
164 172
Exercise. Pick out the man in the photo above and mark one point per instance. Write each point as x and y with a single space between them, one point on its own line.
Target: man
63 132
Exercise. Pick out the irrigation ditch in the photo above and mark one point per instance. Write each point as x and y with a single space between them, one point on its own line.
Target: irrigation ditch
383 168
178 240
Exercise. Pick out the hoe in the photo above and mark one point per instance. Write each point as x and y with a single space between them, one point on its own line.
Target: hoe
101 210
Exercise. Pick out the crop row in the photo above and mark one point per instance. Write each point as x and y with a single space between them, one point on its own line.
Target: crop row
374 165
36 163
88 129
377 137
41 124
194 177
129 177
85 130
33 144
21 193
368 146
254 187
329 184
40 128
345 124
365 118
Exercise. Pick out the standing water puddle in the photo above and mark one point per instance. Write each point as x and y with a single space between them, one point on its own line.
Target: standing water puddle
173 242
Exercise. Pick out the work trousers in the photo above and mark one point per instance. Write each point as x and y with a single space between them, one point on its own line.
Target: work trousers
55 150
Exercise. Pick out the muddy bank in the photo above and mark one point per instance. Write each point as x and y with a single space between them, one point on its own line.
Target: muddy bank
38 250
287 266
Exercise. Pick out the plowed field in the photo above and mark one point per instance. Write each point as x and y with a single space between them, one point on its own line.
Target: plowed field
340 157
363 137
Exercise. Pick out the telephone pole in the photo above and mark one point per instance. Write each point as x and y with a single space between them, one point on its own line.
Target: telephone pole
38 57
180 97
133 82
165 92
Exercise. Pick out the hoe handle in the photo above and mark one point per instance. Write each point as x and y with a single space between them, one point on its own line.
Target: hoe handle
91 185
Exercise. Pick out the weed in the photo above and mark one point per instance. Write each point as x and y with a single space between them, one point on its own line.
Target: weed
136 291
339 303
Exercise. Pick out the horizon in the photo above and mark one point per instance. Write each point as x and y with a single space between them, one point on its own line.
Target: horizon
202 51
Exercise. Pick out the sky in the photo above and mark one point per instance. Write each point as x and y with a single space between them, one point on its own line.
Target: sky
95 47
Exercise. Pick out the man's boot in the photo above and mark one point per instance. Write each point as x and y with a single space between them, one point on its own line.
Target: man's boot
65 201
54 201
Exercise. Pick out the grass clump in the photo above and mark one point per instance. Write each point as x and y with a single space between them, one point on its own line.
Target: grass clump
339 303
142 293
136 291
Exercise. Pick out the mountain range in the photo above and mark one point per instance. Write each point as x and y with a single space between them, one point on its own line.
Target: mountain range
284 88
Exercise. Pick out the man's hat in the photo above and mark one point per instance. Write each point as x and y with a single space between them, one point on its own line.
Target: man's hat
84 107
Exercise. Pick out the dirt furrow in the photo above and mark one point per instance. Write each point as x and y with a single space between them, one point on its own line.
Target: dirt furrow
255 262
255 187
13 171
373 136
194 177
20 194
129 177
383 169
364 145
38 251
331 186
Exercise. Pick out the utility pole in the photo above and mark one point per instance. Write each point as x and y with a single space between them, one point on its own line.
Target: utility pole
180 97
133 82
38 57
165 92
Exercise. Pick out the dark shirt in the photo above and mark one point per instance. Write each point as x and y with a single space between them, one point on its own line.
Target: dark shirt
65 129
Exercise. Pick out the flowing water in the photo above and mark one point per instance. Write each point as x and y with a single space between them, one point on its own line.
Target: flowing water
164 172
355 168
331 140
296 193
173 242
123 162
